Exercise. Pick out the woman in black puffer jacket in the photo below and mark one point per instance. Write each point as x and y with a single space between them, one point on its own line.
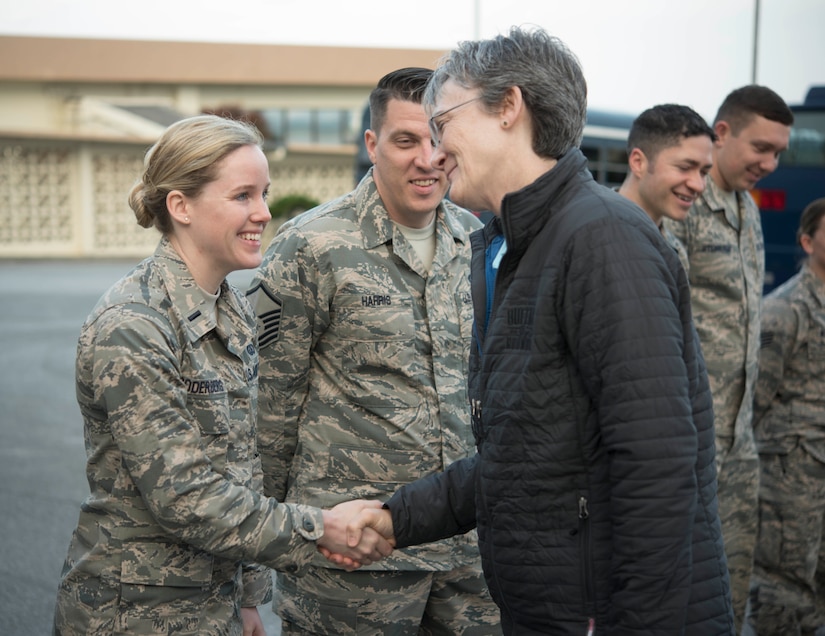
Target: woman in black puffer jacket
594 486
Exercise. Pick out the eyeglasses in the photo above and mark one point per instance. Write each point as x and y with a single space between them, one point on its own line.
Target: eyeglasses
436 127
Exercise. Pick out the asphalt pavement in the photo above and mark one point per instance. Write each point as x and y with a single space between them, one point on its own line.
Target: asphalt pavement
42 455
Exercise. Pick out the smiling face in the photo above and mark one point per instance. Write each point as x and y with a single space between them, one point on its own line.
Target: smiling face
669 184
226 219
742 159
401 150
469 148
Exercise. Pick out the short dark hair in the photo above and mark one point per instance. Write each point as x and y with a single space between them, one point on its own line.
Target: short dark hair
405 84
665 125
741 105
810 219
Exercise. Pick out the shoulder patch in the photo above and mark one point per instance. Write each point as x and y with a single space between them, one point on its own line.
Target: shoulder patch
268 310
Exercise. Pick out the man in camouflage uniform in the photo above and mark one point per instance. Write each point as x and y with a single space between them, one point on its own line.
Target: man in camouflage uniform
669 154
726 258
788 583
365 322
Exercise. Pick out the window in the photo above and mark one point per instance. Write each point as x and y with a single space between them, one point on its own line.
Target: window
807 144
328 126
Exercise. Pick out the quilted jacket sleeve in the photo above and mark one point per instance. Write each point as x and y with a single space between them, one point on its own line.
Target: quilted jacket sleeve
435 507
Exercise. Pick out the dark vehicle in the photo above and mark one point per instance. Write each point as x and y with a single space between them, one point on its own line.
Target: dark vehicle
605 145
799 179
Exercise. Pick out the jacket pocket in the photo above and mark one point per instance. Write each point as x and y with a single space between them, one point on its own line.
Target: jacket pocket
163 588
586 556
376 351
370 473
212 416
164 563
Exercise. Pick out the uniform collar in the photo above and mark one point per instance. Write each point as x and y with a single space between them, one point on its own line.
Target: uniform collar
375 222
814 284
189 299
715 201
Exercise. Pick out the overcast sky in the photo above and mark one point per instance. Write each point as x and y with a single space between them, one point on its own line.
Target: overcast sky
635 53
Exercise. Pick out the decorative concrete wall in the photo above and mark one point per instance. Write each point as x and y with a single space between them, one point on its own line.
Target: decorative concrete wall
68 198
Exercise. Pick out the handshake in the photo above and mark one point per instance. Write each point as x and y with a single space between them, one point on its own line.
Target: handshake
356 533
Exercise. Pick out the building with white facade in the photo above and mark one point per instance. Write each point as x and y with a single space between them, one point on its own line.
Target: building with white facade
77 116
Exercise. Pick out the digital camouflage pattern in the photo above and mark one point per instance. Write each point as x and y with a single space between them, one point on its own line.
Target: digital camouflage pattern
363 372
364 358
167 539
788 584
399 603
677 246
726 269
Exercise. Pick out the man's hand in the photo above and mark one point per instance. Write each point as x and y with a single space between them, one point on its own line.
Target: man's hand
252 623
362 545
377 519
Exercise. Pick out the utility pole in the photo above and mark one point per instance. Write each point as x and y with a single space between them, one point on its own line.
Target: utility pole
755 41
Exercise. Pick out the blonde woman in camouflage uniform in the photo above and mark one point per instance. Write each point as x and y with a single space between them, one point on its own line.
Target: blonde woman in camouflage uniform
788 583
726 266
365 326
167 386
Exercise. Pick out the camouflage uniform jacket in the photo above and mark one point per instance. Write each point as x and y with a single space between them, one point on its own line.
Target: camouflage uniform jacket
789 405
175 517
677 246
364 360
726 257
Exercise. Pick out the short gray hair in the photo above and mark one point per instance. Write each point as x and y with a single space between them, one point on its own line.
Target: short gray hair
547 72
